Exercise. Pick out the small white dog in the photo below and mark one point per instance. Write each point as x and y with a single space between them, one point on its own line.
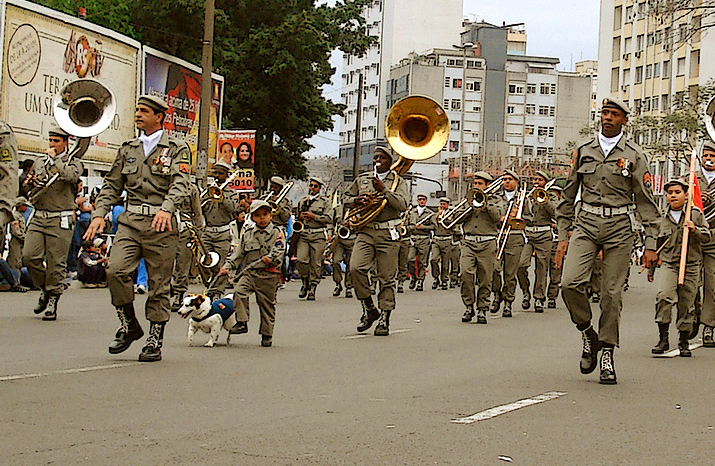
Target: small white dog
208 317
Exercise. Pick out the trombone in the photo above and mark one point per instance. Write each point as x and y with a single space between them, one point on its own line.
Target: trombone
541 195
476 200
275 204
514 223
214 193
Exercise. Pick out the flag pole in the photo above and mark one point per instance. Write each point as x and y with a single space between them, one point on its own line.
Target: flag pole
688 214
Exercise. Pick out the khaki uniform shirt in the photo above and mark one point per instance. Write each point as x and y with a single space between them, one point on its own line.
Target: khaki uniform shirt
8 172
619 180
191 206
425 218
63 192
541 215
218 214
709 188
674 231
159 179
255 244
320 206
396 198
439 230
485 222
283 216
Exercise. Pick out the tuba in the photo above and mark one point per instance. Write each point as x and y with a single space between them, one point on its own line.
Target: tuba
82 108
416 128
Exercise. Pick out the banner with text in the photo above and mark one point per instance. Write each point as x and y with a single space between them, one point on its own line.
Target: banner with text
238 148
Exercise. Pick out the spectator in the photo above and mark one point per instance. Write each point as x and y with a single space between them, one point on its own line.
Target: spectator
25 166
84 208
92 264
9 278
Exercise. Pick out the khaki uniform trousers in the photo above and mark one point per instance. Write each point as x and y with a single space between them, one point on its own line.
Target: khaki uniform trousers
477 263
403 259
707 313
221 244
419 251
375 250
133 242
554 273
182 265
596 279
47 240
265 285
670 294
454 253
508 268
310 254
539 246
441 251
343 251
592 233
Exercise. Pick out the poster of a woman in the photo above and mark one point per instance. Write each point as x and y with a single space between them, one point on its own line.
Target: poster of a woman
237 148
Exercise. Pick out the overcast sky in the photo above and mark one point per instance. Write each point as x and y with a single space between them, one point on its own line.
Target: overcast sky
566 29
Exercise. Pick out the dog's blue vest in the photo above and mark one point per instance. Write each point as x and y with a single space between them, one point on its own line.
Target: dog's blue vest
222 307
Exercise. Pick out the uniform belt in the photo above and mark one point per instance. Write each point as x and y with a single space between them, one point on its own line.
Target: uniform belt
479 238
386 225
314 230
443 237
605 211
48 214
221 229
538 229
144 209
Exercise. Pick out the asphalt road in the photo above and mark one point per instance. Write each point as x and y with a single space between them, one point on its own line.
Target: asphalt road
324 395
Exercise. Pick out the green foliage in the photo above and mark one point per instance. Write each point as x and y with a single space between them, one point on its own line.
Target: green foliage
274 55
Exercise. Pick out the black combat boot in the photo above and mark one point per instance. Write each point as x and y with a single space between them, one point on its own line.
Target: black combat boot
468 314
239 328
452 284
496 303
435 284
338 289
128 332
42 302
311 292
152 350
348 292
420 285
382 329
591 346
663 344
400 287
539 306
304 289
445 286
684 345
526 302
481 316
552 303
413 282
51 311
696 323
608 372
507 309
708 337
266 341
369 315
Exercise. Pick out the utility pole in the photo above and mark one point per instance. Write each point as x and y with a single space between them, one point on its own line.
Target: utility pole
358 124
202 155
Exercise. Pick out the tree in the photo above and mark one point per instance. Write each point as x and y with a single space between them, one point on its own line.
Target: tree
694 14
274 55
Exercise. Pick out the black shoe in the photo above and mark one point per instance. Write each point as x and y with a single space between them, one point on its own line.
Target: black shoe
338 289
420 285
696 325
481 316
552 303
625 287
526 302
444 285
17 288
591 346
239 328
452 284
507 309
382 329
150 353
400 288
51 311
608 372
468 314
496 304
708 337
684 345
596 298
369 315
413 282
311 292
152 350
129 330
663 344
266 341
539 306
348 293
435 284
42 302
304 289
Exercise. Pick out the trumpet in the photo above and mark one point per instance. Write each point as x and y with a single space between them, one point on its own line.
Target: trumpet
476 200
541 195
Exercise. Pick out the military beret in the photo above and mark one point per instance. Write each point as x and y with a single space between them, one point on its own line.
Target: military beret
543 174
317 180
556 187
445 199
419 195
153 102
484 176
21 200
59 132
678 181
615 103
709 145
511 173
278 180
223 165
259 204
384 150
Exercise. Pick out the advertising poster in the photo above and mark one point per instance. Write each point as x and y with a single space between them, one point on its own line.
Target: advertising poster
43 52
179 84
238 149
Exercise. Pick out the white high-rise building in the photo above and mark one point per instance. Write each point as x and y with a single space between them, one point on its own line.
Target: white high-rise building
401 27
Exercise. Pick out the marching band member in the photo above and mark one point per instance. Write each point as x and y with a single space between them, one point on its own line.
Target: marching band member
554 272
706 182
403 263
8 174
285 206
441 248
420 229
342 251
315 212
191 206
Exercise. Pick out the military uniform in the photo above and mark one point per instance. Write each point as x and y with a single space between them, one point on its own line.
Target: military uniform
554 274
342 251
454 253
707 314
258 277
8 173
18 230
190 205
312 240
420 241
441 253
377 247
403 267
50 232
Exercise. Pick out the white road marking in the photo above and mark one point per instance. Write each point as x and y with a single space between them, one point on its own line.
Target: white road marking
676 352
365 335
78 370
503 409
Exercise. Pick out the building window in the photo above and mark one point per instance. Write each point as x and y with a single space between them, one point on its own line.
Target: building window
516 88
456 104
477 108
528 150
528 129
544 110
447 81
450 62
552 111
531 88
454 146
656 70
639 74
457 83
531 109
681 67
510 109
454 125
541 151
648 71
474 86
665 101
446 103
551 131
639 43
666 69
654 103
543 131
544 89
646 104
553 89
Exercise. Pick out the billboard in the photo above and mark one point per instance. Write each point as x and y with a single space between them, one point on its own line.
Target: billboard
42 51
238 149
178 83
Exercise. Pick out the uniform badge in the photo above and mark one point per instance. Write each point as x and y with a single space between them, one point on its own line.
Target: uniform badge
625 166
221 306
647 180
5 155
184 168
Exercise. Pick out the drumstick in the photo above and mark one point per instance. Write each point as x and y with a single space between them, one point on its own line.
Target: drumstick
660 249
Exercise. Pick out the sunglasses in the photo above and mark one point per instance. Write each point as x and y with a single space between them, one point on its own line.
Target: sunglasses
314 185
